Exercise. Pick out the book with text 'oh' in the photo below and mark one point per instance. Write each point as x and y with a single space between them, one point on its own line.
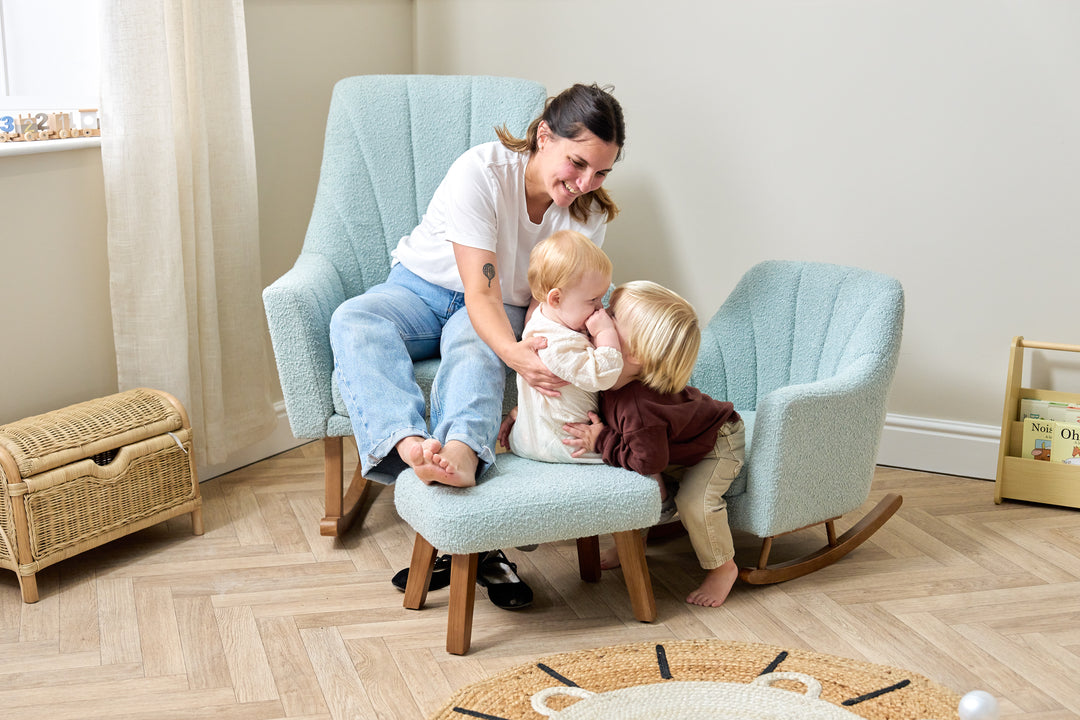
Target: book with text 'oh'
1065 446
1038 439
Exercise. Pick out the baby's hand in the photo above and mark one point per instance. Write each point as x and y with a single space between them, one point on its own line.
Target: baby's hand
602 329
506 426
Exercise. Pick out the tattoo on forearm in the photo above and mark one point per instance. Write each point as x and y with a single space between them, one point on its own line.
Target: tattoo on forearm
489 272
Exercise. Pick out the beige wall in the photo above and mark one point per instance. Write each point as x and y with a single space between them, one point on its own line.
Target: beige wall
297 50
54 283
935 141
53 258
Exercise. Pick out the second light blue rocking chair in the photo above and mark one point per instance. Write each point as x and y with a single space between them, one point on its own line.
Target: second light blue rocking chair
806 352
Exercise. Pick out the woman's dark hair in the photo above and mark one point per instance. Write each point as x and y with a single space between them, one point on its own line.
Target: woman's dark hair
568 114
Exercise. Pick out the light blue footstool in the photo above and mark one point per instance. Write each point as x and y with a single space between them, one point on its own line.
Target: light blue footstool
522 502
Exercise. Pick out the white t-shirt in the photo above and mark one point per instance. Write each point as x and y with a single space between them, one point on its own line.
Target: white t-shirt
537 433
481 203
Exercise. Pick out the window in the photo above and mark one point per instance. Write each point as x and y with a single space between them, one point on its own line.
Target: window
49 54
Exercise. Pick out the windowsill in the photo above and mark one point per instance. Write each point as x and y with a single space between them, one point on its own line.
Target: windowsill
43 146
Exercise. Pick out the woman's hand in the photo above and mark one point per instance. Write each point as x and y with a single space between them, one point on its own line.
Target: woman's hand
523 360
584 435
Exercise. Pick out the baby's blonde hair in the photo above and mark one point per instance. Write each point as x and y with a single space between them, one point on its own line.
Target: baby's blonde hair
560 260
661 330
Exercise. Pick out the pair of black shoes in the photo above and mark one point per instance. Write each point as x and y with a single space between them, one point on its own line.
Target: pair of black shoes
493 571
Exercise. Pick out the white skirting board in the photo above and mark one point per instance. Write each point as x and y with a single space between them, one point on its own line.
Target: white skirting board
926 444
280 440
940 446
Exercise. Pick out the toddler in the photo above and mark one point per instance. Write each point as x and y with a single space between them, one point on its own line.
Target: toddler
568 277
651 421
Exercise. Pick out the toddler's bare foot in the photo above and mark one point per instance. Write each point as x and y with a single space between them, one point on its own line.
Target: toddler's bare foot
717 585
609 558
455 464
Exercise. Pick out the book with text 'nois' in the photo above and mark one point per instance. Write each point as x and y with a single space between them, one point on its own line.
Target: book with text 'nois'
1038 439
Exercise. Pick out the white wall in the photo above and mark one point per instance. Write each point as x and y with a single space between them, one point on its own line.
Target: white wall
938 141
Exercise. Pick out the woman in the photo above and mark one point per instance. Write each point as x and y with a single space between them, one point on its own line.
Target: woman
458 289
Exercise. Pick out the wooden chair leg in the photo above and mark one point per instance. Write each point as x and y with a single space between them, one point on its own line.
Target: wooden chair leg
462 597
342 508
835 548
588 557
420 568
631 548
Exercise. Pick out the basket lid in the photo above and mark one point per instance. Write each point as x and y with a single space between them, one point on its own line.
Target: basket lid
56 438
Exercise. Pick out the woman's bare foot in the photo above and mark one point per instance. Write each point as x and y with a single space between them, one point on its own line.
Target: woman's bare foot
419 454
717 585
456 465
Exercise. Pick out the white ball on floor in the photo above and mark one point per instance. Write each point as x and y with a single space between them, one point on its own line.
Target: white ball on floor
978 705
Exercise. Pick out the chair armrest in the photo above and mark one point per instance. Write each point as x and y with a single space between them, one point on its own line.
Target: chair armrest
814 448
298 309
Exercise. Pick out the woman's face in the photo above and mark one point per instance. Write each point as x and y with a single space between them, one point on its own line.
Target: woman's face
565 168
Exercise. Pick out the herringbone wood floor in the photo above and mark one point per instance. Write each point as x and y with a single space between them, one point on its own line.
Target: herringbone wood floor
263 618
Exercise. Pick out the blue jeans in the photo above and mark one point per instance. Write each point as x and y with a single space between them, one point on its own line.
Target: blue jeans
376 337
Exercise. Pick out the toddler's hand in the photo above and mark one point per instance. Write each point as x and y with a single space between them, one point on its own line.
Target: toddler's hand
584 435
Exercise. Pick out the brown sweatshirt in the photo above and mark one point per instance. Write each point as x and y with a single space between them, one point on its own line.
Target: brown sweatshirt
645 431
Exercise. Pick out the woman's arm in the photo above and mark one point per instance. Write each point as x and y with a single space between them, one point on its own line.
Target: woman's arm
483 299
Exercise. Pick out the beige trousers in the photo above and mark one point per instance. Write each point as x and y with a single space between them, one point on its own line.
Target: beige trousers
700 497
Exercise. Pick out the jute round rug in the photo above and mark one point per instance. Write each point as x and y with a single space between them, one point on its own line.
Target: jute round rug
701 679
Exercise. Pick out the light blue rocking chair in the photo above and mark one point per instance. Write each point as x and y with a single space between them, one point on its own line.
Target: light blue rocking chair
806 352
389 141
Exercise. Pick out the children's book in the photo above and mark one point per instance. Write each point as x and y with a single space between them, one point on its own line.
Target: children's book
1049 410
1065 447
1038 438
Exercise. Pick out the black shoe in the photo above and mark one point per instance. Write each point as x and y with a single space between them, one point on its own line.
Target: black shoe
440 575
505 589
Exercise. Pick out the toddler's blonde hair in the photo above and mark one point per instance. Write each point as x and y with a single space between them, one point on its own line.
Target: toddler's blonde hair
560 260
661 330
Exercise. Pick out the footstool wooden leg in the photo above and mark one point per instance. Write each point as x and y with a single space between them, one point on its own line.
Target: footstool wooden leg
631 548
462 597
588 558
420 567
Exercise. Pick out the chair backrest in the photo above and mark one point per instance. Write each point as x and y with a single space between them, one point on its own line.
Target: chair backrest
389 141
789 323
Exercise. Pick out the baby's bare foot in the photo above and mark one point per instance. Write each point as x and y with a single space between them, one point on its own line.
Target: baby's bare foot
609 559
718 583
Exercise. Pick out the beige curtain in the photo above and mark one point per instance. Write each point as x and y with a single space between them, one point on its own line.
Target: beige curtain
179 164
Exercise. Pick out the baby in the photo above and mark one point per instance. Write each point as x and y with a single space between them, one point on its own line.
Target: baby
653 422
568 277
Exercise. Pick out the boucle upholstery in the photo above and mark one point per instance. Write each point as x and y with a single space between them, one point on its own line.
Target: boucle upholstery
806 352
520 502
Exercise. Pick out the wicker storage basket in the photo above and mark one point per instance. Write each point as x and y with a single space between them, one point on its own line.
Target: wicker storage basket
78 477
